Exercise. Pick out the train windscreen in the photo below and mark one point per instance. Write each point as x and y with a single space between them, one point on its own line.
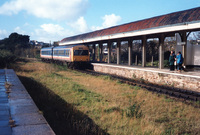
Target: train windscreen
80 52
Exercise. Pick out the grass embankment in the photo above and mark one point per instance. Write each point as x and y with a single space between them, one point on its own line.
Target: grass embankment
76 103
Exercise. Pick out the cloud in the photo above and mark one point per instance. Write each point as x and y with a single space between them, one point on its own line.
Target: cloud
80 25
52 28
108 21
111 20
51 9
56 32
27 24
53 32
3 34
93 28
19 30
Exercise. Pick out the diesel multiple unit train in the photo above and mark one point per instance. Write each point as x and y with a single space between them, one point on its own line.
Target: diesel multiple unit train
66 54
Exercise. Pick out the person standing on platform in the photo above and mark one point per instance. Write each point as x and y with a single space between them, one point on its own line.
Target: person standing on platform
179 59
171 61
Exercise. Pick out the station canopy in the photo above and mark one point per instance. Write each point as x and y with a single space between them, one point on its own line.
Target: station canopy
187 20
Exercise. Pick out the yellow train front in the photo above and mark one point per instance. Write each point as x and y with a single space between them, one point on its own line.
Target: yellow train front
80 53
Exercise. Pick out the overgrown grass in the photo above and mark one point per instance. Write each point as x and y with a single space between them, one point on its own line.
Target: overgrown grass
106 77
134 111
76 103
62 116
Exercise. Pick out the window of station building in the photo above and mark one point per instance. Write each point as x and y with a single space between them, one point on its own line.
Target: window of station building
80 52
194 38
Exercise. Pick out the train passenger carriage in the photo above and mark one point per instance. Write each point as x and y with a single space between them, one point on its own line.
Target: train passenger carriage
62 53
46 53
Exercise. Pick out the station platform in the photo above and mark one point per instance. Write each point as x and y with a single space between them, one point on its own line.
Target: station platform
189 80
18 113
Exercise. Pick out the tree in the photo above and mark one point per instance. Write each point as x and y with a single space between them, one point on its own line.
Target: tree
15 42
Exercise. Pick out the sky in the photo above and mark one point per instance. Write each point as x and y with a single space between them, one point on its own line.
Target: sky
53 20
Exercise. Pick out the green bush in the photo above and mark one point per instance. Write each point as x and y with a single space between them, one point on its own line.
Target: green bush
6 57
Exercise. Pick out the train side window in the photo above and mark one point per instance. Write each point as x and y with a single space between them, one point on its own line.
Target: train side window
67 53
46 52
55 52
61 52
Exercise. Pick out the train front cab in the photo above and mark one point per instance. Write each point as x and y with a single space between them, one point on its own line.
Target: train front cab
80 53
80 56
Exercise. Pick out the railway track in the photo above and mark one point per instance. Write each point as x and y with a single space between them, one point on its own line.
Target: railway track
171 91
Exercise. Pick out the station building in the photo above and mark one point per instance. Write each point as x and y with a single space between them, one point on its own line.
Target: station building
183 27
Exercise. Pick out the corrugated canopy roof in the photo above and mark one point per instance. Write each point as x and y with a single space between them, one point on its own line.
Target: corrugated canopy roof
186 16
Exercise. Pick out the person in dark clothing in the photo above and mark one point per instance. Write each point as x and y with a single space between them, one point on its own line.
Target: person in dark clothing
179 59
171 61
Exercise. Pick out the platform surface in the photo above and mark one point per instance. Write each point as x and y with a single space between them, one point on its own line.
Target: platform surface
18 113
